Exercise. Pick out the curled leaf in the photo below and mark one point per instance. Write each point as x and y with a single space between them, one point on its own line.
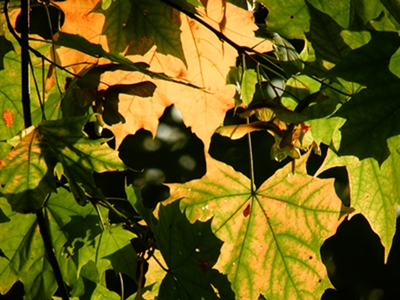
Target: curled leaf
235 132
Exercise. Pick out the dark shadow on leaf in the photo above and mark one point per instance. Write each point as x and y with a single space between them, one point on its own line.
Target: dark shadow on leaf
3 217
371 115
30 201
81 231
190 251
324 35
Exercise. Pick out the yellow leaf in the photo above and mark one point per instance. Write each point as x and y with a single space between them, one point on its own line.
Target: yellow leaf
272 236
80 20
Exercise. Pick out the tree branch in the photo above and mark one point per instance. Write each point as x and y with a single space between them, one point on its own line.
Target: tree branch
25 64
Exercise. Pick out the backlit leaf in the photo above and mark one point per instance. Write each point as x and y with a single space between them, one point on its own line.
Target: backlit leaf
115 251
158 21
26 174
80 238
11 116
5 47
290 18
235 132
69 146
248 86
374 191
208 62
274 248
116 16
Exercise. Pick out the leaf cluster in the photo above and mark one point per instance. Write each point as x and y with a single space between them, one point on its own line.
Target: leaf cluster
310 74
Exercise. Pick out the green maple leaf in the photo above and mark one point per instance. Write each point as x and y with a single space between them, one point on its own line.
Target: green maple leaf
248 86
26 174
82 248
271 237
78 155
372 64
24 256
374 191
190 252
27 171
289 18
11 115
370 123
292 18
5 47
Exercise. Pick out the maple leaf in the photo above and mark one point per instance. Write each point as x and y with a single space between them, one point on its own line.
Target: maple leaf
373 191
30 267
26 173
208 62
271 236
79 20
31 163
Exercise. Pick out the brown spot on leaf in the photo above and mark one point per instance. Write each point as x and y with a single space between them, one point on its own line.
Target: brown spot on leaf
204 266
246 211
291 17
8 117
310 257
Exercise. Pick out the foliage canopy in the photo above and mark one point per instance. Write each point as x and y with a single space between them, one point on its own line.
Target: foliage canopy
118 65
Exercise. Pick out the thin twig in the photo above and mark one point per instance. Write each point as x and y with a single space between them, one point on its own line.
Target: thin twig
251 158
329 86
121 279
37 87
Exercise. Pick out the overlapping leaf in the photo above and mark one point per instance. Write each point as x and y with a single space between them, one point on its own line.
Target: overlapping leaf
27 171
24 256
190 252
116 16
289 18
78 155
84 239
157 21
292 18
26 174
272 236
207 63
377 121
11 116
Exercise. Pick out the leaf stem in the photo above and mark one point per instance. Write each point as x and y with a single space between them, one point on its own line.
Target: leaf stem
41 101
122 286
329 86
251 158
